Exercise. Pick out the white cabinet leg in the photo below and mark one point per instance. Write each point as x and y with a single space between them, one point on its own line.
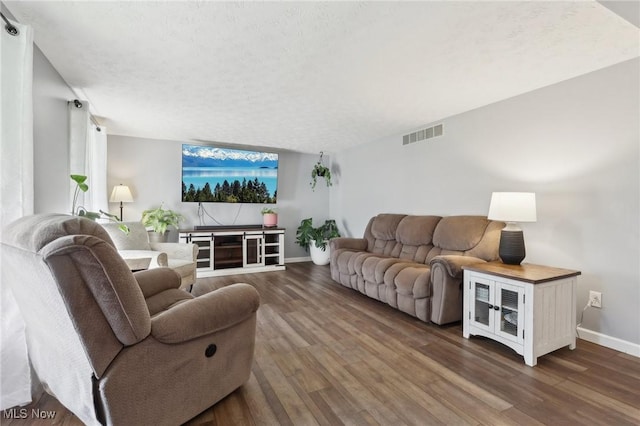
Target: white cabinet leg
530 360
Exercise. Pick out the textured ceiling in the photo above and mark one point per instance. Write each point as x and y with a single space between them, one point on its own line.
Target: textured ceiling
311 76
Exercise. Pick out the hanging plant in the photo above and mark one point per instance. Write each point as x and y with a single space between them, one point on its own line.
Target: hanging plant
320 170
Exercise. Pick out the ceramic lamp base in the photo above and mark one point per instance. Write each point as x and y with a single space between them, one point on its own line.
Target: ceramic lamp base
512 251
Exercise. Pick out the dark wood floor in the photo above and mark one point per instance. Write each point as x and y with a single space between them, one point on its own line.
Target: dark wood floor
328 355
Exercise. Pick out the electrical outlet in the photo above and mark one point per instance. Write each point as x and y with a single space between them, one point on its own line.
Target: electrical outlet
595 299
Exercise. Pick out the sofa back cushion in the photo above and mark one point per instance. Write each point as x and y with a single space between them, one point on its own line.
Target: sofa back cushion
414 236
469 236
381 233
136 239
459 233
421 238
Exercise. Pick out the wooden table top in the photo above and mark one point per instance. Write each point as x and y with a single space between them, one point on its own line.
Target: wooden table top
526 272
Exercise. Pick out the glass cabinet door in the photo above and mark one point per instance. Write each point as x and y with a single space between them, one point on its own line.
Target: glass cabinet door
481 303
511 312
253 250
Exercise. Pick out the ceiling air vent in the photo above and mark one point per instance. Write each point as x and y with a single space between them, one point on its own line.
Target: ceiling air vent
424 134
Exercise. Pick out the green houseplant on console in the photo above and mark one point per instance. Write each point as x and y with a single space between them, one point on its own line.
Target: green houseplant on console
76 210
269 217
159 220
315 240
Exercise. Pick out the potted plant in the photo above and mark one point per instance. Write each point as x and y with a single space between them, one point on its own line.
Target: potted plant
315 240
159 220
269 217
81 186
320 170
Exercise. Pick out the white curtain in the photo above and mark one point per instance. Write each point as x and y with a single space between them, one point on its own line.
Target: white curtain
16 199
96 160
88 156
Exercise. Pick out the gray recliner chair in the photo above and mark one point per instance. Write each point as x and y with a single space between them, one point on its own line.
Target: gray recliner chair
116 347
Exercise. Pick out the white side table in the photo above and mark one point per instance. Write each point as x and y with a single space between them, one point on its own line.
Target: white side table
529 308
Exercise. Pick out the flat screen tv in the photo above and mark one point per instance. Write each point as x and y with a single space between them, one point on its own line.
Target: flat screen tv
224 175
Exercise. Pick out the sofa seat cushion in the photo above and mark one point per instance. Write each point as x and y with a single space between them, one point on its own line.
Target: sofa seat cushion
374 268
340 259
359 259
344 270
349 261
157 259
414 281
411 292
184 268
419 254
138 263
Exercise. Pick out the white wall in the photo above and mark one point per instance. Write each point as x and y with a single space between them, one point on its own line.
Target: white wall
576 144
50 137
152 169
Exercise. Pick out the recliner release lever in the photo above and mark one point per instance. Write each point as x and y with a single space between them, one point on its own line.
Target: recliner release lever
211 350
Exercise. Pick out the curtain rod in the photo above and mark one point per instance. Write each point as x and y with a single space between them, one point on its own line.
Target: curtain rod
78 104
93 120
11 29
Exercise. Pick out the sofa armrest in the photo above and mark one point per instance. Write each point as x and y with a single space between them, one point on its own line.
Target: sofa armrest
154 281
186 251
206 314
348 243
453 263
138 263
446 287
158 258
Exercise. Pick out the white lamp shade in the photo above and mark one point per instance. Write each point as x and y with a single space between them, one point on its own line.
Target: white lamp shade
121 193
513 206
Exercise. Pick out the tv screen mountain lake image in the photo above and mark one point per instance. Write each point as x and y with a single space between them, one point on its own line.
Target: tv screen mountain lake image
212 174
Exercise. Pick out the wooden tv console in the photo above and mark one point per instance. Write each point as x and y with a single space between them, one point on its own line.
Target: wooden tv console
228 250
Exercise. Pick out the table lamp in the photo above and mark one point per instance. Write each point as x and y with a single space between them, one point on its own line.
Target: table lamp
512 207
122 194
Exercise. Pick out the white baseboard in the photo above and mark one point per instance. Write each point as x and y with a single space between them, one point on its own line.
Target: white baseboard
297 259
609 342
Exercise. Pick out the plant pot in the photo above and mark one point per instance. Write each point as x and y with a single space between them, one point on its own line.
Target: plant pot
319 256
270 220
154 237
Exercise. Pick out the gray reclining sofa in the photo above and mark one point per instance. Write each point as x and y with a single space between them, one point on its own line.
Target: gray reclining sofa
414 263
